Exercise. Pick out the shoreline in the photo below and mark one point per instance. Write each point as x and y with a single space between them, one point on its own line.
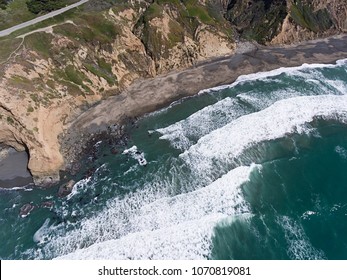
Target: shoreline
145 96
108 119
13 169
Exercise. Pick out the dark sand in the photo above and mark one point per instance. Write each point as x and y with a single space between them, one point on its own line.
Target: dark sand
149 95
145 96
14 171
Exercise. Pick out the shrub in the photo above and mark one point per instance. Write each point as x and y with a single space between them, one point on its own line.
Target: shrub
38 6
3 4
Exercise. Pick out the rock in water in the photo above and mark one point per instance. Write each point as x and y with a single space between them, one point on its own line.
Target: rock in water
26 209
66 189
47 204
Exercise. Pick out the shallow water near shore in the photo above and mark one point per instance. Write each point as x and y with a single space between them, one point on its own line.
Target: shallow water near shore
253 170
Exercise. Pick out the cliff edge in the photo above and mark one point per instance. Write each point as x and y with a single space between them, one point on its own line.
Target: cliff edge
52 73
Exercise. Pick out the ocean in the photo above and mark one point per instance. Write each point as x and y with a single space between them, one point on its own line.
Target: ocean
252 170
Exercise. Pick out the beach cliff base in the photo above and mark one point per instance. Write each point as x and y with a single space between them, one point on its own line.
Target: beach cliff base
145 96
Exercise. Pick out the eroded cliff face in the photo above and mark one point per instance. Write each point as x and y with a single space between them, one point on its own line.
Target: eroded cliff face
51 75
287 21
311 19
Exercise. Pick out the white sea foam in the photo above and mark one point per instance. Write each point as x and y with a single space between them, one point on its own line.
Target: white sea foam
298 70
307 214
190 240
135 154
338 85
342 152
183 133
283 117
260 101
78 186
42 232
299 246
341 62
27 188
148 224
182 232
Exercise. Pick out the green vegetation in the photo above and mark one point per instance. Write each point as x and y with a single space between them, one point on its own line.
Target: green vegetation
30 109
10 120
197 10
20 79
50 83
96 34
21 83
90 28
72 89
3 4
76 77
16 12
100 27
176 34
304 16
153 11
40 42
193 9
34 97
59 19
73 75
102 69
174 2
7 47
189 14
257 19
40 6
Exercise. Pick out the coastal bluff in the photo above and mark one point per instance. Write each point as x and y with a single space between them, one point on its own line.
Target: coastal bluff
79 74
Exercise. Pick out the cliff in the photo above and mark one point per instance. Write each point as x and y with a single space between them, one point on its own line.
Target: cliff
52 73
287 21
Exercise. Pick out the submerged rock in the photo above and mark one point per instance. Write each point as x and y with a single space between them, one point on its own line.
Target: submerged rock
47 204
66 189
26 209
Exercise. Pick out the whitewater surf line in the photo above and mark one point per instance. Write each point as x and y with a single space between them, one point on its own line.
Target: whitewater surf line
167 233
149 95
186 132
206 200
146 233
296 70
225 144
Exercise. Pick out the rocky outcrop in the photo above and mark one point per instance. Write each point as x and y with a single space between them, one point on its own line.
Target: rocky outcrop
50 76
287 21
308 20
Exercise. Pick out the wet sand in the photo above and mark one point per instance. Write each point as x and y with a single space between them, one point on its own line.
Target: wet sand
13 170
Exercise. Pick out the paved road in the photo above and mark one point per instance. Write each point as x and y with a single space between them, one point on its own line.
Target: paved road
10 30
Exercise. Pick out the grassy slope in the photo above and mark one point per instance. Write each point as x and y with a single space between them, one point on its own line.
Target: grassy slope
94 30
17 12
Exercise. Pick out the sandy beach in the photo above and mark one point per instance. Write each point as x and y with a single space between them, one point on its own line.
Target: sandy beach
145 96
13 169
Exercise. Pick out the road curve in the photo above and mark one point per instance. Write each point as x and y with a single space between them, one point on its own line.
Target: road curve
12 29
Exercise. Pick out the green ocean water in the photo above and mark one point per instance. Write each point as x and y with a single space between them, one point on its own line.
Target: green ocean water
252 170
